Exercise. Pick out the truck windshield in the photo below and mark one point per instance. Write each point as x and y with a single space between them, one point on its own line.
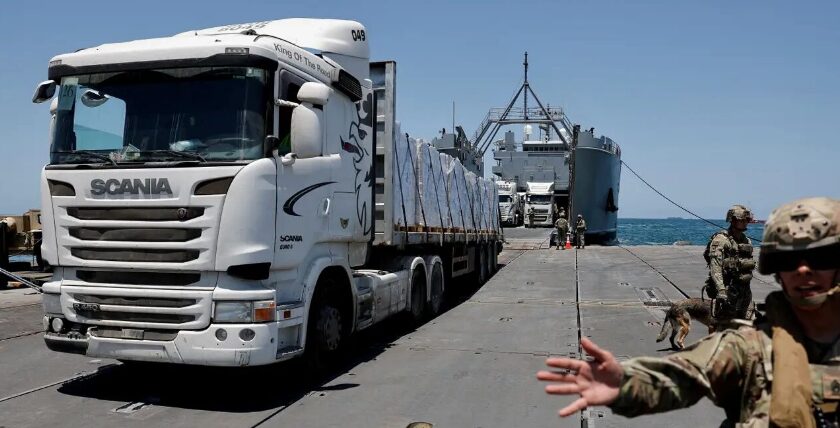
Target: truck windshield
194 114
504 198
539 199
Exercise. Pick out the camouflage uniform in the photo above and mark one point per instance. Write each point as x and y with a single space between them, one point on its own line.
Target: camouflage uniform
580 228
562 227
729 256
730 268
733 368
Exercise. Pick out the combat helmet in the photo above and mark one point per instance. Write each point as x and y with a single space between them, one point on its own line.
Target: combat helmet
738 212
806 229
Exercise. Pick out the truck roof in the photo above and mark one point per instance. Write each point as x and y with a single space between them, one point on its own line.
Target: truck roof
540 187
322 48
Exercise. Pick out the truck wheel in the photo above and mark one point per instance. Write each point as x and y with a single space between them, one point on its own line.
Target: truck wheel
491 260
436 298
481 264
418 296
325 330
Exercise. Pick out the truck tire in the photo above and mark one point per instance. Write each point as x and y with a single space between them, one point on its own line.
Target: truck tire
481 264
325 333
492 266
436 292
417 306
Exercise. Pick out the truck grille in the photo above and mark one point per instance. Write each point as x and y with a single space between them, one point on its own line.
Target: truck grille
135 301
135 317
139 309
138 278
135 255
134 234
135 214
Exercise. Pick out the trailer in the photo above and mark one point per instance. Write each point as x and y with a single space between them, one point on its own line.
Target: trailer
242 195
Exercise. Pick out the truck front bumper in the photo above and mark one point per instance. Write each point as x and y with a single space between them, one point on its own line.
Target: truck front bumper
202 347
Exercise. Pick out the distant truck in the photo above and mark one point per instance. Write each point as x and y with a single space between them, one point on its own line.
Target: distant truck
19 234
540 199
243 195
510 203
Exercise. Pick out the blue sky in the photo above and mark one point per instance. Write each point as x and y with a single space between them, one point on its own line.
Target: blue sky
714 102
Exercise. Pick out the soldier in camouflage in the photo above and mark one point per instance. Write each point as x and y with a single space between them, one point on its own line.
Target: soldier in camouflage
729 258
562 227
783 371
580 228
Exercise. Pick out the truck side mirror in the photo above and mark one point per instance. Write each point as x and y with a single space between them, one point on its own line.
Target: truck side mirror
315 93
306 132
44 92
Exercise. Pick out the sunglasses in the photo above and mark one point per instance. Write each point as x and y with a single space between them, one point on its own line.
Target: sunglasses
822 258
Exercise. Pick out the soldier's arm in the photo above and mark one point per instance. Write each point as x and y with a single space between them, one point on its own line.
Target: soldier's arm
716 261
714 367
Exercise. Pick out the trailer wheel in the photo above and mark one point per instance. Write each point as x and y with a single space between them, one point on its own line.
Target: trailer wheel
492 264
436 298
418 296
325 331
481 264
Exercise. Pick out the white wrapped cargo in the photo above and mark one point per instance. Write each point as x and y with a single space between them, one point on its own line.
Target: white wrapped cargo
471 213
485 206
428 211
494 211
458 201
405 179
448 213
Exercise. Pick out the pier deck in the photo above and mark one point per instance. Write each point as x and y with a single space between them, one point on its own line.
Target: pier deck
473 366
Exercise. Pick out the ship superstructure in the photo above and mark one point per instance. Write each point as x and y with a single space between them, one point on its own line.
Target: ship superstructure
584 168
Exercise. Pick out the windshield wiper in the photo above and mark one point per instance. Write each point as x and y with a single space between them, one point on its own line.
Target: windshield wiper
187 155
89 154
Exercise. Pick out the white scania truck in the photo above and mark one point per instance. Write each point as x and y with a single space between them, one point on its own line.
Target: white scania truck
510 204
228 197
540 200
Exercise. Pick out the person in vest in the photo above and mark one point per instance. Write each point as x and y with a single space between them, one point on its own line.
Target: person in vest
783 371
531 217
729 256
580 228
562 227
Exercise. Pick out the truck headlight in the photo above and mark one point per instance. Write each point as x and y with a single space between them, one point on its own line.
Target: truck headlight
244 312
51 303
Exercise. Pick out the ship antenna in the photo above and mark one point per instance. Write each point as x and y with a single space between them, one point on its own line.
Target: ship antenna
525 100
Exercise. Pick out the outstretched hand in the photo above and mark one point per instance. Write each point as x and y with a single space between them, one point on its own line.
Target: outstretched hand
597 381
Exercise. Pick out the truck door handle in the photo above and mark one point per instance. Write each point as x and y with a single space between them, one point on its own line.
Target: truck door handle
325 207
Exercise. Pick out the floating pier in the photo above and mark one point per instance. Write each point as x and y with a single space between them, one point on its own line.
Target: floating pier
472 366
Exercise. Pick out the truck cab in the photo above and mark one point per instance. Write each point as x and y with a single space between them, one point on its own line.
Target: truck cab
539 204
200 185
510 204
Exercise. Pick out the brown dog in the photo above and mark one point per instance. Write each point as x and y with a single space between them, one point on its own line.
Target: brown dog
678 320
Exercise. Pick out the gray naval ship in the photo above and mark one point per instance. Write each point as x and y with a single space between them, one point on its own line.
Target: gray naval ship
561 166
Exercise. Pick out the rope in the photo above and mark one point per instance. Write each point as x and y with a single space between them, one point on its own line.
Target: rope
678 205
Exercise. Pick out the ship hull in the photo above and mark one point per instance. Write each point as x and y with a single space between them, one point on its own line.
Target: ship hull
595 191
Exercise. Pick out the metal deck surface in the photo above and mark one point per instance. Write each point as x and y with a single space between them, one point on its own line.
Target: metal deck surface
473 366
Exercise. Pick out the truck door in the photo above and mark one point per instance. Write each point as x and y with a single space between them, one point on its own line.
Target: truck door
304 188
